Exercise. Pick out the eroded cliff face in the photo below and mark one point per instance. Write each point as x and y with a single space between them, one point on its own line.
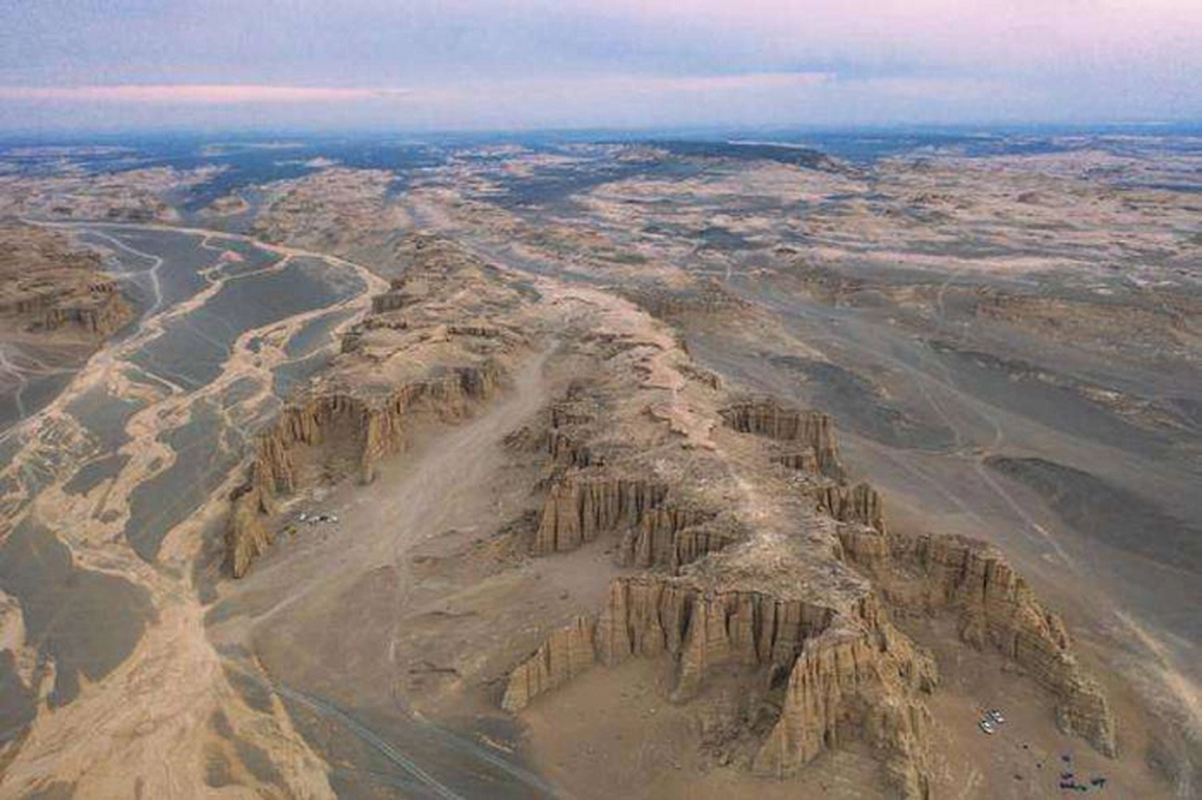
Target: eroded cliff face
859 503
856 685
332 436
586 503
794 593
654 615
851 675
847 673
567 653
412 361
98 311
249 533
995 608
368 429
811 431
51 286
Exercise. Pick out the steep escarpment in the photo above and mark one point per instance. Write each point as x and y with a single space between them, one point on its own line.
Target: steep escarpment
709 299
587 503
47 285
852 503
728 565
803 440
831 671
567 653
440 343
861 685
807 435
994 607
331 436
372 428
702 630
652 530
794 597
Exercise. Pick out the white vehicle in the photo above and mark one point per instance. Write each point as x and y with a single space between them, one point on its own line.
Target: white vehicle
995 716
987 726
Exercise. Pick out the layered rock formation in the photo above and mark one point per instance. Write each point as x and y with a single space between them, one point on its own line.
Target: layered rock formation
413 360
566 653
48 285
708 299
590 502
792 596
994 607
653 615
856 685
847 673
809 434
672 537
859 503
348 435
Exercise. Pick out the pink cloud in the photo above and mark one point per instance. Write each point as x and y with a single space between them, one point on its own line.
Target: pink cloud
196 94
246 94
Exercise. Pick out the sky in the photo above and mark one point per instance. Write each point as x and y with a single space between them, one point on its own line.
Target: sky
110 65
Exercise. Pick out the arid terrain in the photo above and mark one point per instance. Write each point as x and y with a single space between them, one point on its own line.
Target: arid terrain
561 468
57 306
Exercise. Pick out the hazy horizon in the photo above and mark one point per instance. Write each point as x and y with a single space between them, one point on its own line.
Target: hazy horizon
216 134
514 65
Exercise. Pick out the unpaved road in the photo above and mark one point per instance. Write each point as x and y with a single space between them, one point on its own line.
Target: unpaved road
320 613
420 494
